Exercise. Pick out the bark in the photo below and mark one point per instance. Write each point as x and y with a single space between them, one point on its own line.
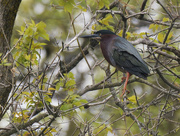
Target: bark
8 11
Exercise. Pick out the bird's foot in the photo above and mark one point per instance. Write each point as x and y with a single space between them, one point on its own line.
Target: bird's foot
123 79
125 91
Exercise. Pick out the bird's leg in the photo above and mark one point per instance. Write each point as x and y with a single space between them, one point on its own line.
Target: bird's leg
123 78
125 84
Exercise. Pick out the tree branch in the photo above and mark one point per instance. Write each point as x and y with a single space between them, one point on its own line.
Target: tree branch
23 126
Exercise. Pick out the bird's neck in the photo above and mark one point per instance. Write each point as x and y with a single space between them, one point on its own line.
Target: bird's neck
106 46
106 40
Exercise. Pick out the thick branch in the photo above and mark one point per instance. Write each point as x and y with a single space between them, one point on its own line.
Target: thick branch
8 11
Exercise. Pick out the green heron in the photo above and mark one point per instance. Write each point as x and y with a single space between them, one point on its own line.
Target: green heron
121 54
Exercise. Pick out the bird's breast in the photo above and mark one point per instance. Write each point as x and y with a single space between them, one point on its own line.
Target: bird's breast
107 50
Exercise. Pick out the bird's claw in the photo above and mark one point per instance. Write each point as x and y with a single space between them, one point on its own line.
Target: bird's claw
122 79
125 91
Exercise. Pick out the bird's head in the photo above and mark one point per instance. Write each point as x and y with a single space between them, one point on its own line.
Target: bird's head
98 34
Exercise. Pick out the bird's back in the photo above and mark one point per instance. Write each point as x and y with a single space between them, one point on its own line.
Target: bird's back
128 58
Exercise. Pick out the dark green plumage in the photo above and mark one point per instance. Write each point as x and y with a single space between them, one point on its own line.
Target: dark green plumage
128 58
120 53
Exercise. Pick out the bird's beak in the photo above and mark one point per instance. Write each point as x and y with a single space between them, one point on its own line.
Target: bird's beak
94 36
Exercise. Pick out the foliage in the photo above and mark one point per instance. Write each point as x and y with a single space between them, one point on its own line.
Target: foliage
27 48
4 62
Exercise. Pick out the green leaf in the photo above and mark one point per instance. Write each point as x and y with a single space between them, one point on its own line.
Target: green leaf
132 99
51 89
77 103
7 64
169 37
165 19
66 106
151 26
83 101
142 34
57 80
67 4
110 27
160 37
70 75
58 85
120 33
82 8
47 98
27 57
94 26
70 83
70 92
103 3
32 22
154 27
41 30
101 129
106 20
74 96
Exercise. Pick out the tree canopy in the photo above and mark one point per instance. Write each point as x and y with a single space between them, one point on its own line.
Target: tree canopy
55 83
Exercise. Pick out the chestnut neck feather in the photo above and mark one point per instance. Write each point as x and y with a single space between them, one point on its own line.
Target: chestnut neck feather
106 47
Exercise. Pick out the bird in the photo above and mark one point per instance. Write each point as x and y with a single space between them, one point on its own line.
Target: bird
121 54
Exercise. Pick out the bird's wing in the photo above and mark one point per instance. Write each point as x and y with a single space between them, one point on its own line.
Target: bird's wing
128 58
123 45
